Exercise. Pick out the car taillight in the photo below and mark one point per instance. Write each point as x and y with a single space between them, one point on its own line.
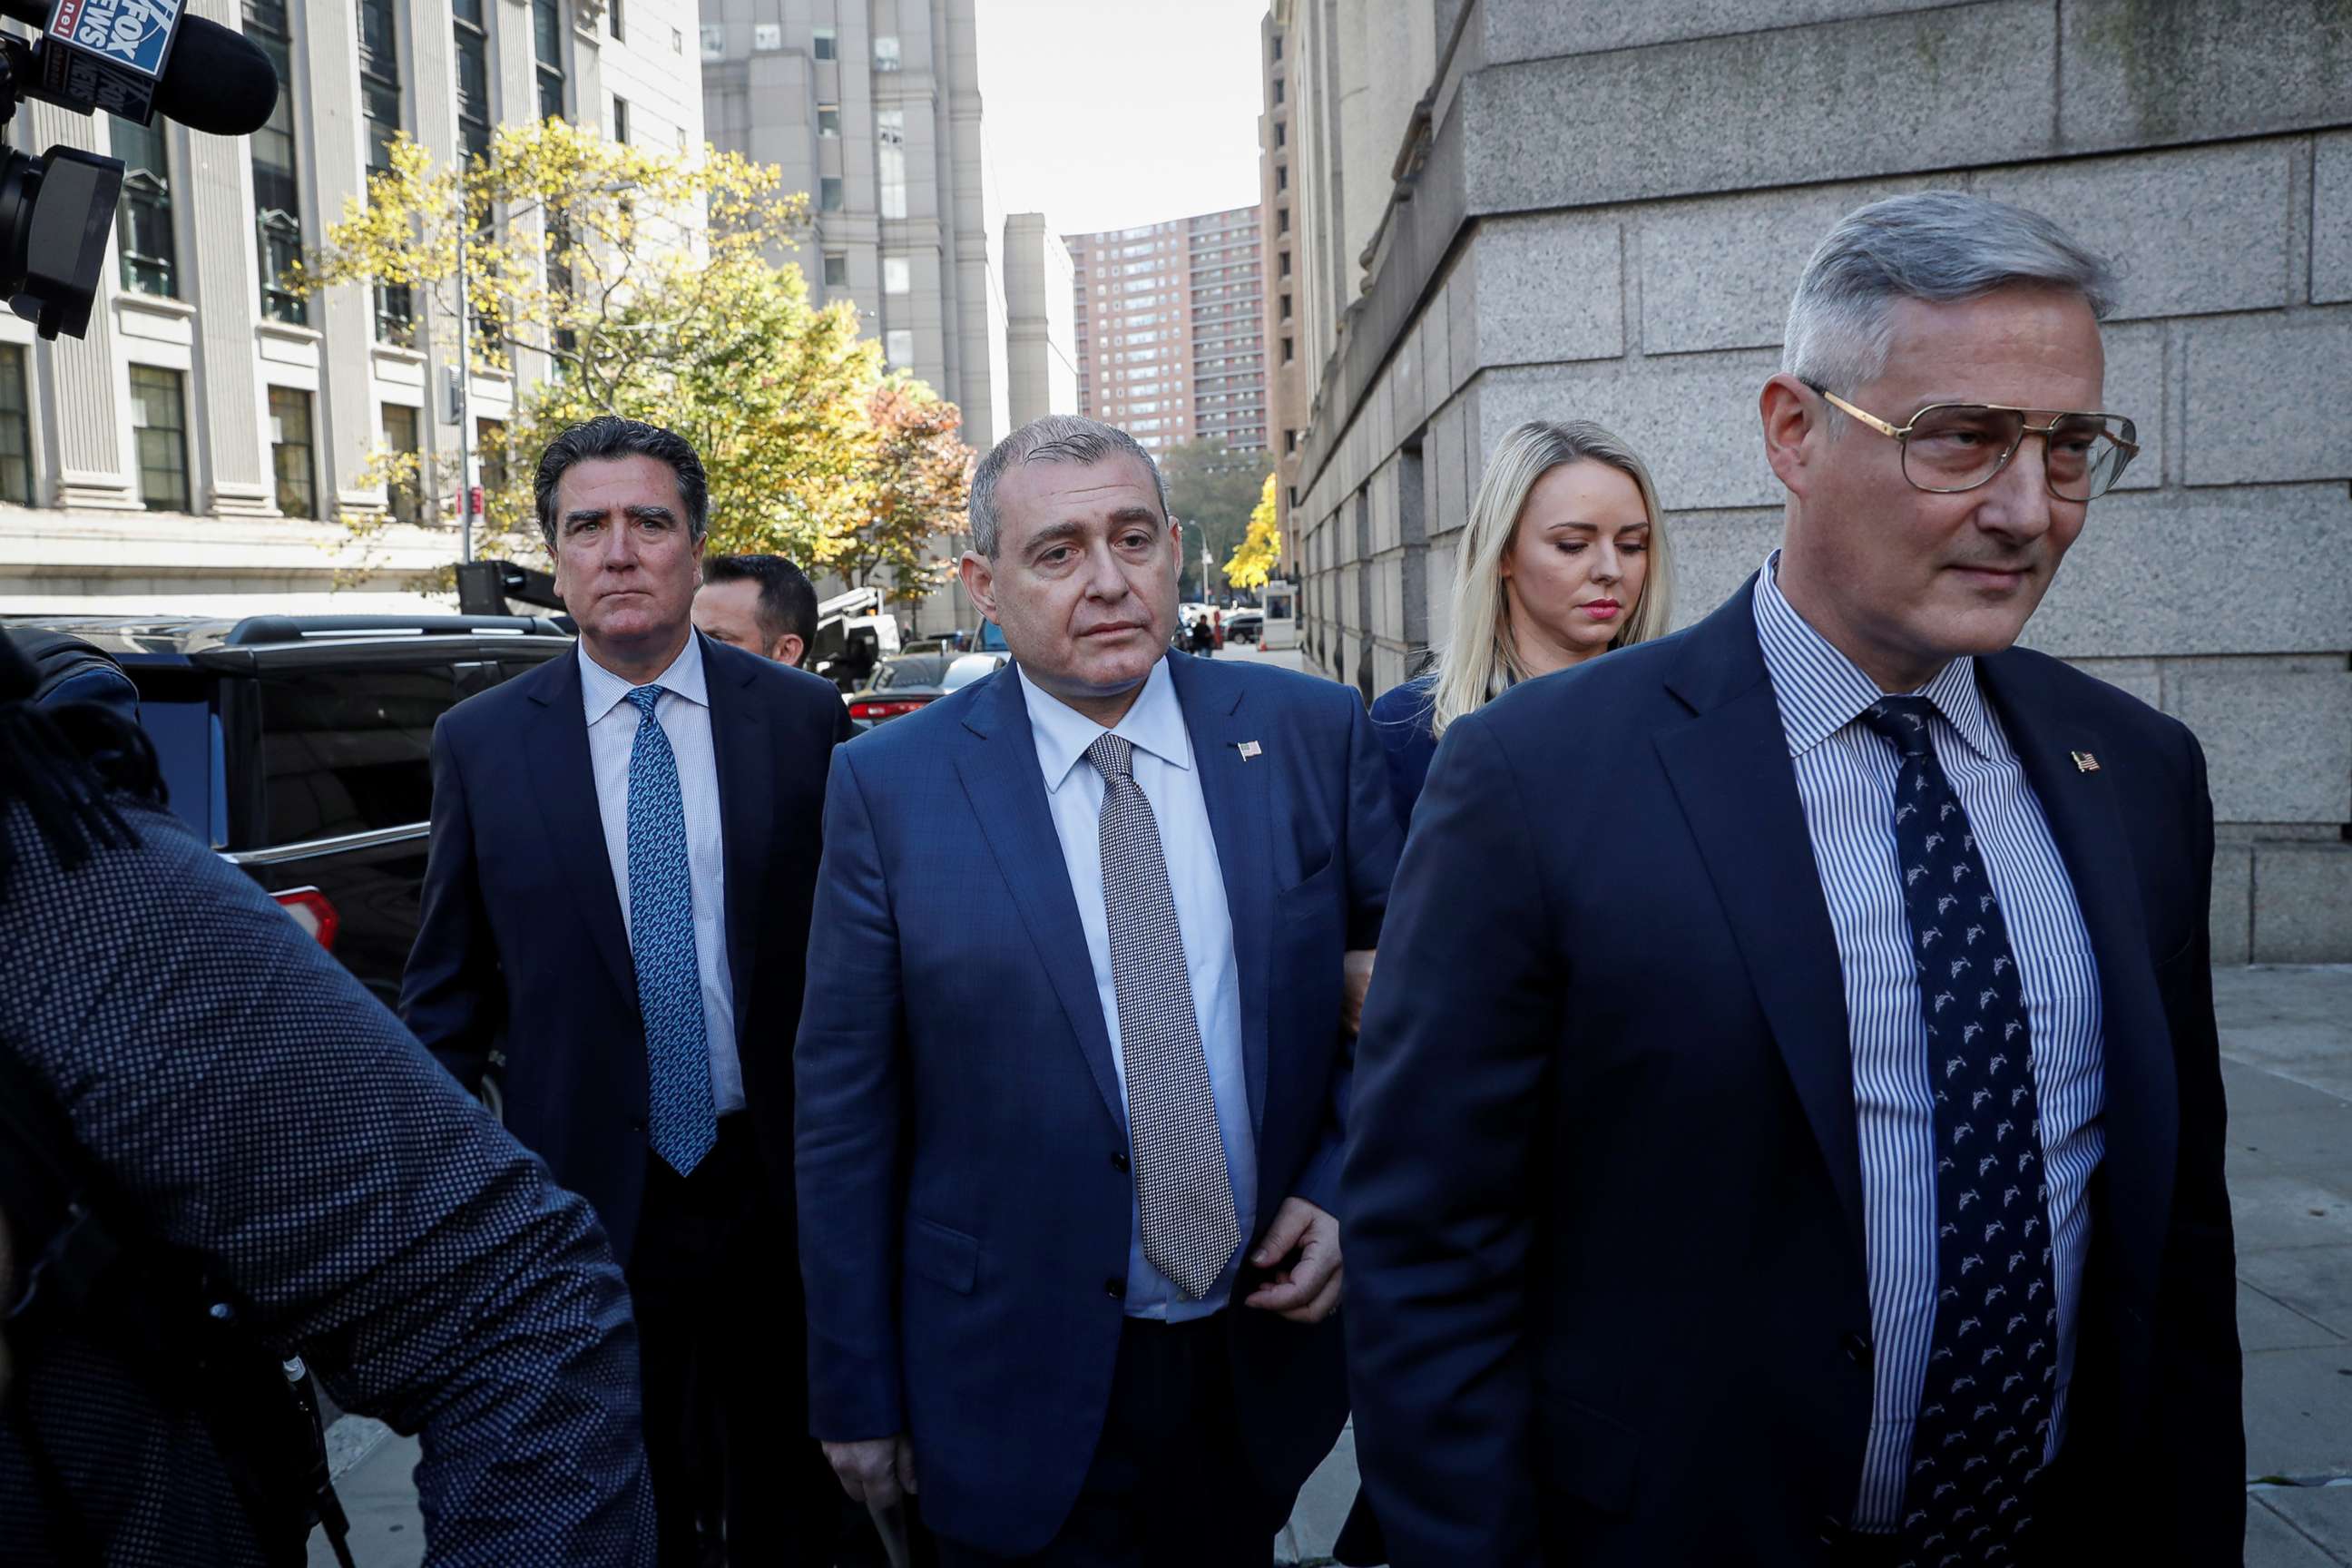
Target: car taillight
894 709
313 912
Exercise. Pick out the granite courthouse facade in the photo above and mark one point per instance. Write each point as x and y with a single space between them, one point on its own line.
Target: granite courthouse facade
1512 209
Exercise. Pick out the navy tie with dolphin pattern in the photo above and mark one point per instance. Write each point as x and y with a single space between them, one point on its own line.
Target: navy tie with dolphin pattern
1984 1417
681 1115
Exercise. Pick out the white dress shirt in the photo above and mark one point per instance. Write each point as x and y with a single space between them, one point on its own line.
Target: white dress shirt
1163 766
1845 777
684 712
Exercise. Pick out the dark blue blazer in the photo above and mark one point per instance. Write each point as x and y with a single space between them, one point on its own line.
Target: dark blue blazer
965 1202
1403 720
1607 1292
522 968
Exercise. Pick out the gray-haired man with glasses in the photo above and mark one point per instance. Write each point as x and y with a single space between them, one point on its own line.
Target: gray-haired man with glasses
1846 1185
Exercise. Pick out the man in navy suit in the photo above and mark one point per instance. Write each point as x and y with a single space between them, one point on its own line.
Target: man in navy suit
616 915
1789 1123
1072 1071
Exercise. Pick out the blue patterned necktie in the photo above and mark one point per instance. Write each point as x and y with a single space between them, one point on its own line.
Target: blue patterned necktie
1993 1368
682 1125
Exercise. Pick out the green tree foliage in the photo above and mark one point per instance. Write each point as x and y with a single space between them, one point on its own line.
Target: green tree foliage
1211 489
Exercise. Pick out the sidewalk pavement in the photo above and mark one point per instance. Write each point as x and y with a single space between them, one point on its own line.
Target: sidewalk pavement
2286 1050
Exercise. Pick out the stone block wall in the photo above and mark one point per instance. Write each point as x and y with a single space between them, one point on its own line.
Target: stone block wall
1611 210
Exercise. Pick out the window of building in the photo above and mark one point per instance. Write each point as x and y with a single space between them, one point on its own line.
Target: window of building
828 119
828 194
1282 220
714 42
293 454
547 49
899 347
380 101
1282 177
897 275
159 420
826 48
1286 307
1278 46
276 196
890 133
1281 135
16 428
1278 89
837 269
885 51
613 15
143 226
405 498
473 78
1289 350
1283 264
619 120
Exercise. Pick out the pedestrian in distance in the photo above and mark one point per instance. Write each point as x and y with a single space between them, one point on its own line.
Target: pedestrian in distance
1203 636
615 916
225 1167
1072 1075
1564 557
1804 1145
761 604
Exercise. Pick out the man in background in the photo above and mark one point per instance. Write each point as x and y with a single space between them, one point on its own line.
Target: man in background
615 917
761 604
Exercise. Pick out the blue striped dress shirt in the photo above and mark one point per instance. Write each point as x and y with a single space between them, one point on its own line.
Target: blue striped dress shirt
1845 777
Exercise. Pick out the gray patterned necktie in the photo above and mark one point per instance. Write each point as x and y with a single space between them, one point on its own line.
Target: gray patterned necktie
1184 1192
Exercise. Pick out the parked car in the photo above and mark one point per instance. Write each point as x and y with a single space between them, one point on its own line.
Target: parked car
300 747
1245 625
905 684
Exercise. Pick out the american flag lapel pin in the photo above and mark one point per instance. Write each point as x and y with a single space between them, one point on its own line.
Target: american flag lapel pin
1248 749
2086 762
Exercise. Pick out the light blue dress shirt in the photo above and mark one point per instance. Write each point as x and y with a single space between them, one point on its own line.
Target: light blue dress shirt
685 713
1845 777
1074 791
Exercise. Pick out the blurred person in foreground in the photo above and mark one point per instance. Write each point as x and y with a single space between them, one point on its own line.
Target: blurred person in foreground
1564 557
217 1144
616 915
1789 1126
761 604
1073 1076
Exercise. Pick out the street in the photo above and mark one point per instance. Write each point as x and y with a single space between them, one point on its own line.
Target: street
2286 1047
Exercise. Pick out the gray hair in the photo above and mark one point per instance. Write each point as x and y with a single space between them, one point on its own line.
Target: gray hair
1055 438
610 436
1937 245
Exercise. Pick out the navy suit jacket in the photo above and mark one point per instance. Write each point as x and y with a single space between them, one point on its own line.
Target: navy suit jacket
965 1202
1607 1290
521 955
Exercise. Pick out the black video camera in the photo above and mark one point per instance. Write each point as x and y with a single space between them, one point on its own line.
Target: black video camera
135 59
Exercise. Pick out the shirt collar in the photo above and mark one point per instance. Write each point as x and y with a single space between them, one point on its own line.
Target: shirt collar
1155 724
1821 692
601 690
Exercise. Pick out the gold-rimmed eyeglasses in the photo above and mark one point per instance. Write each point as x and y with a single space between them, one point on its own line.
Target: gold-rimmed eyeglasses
1953 446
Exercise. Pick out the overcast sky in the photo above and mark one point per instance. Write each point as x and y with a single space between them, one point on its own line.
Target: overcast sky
1109 113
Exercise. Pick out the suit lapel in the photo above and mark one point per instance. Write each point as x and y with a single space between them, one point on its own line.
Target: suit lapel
563 782
998 765
2141 1105
1731 773
745 757
1236 791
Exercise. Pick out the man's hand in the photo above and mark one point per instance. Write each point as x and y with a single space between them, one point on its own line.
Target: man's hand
877 1471
1302 1249
1355 984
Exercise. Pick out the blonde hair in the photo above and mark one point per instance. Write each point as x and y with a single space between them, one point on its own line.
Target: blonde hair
1483 656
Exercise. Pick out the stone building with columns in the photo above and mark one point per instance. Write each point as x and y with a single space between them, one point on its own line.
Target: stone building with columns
1510 209
192 452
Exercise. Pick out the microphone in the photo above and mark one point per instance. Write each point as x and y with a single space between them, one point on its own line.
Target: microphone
139 59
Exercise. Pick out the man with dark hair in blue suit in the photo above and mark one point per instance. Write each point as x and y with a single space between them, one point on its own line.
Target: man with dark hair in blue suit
1790 1125
1072 1071
625 846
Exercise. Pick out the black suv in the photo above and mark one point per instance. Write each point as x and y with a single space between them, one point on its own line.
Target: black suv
300 747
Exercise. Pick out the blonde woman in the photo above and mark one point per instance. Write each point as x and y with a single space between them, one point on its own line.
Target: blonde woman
1564 557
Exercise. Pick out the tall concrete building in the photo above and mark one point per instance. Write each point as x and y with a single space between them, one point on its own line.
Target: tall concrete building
1285 373
1507 209
190 453
1172 330
1041 367
873 107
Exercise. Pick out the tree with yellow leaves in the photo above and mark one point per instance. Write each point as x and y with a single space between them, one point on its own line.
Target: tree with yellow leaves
1261 547
609 278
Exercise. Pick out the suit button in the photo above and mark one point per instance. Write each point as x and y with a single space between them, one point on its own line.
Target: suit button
1856 1347
1116 1288
1119 1159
